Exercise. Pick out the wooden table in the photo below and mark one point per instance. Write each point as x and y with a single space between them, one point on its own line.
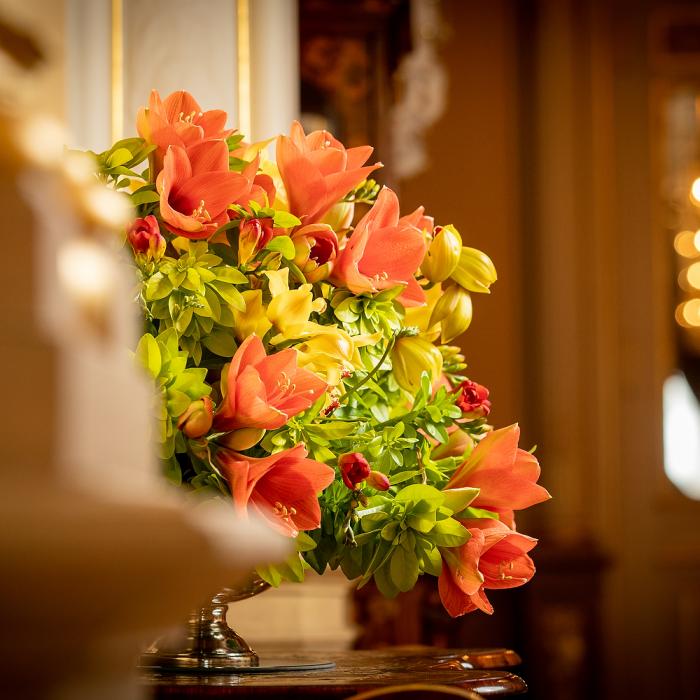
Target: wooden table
482 670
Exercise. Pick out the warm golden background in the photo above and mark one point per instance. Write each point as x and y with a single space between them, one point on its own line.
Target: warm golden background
562 137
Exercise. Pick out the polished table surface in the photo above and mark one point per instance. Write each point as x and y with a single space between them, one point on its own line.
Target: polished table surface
482 670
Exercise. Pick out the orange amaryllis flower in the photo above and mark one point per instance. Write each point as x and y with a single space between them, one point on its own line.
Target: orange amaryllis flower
318 171
494 557
196 187
383 251
178 120
283 488
264 391
505 475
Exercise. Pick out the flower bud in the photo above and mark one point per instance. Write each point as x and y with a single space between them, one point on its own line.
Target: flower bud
442 255
453 310
242 439
457 444
197 419
354 469
253 235
146 239
316 247
340 216
410 357
475 271
473 400
378 481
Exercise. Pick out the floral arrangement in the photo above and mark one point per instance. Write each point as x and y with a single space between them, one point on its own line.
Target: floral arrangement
297 330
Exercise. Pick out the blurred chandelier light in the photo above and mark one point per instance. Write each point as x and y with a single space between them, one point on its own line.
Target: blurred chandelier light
685 243
688 313
86 270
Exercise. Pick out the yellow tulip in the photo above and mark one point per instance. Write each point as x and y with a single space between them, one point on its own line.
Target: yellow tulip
442 255
410 357
453 311
475 271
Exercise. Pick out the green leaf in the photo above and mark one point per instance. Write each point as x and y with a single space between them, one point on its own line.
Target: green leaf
430 559
403 569
148 354
117 157
229 294
158 287
146 195
458 499
172 471
449 533
178 402
477 513
232 275
415 493
220 342
284 219
401 477
384 583
282 245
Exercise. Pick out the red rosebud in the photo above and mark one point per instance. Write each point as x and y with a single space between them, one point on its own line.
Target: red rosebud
354 469
378 481
145 238
473 399
197 419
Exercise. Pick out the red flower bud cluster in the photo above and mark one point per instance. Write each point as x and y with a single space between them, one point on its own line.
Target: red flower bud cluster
473 399
354 469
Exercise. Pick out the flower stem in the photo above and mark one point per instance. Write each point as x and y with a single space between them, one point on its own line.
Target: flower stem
371 373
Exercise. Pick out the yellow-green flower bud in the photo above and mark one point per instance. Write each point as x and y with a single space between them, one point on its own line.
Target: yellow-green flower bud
410 357
475 271
453 311
442 255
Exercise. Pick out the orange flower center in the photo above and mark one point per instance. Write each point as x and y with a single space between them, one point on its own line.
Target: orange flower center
505 565
284 383
200 213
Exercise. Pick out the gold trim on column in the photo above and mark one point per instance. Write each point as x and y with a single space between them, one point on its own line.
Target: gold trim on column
117 69
243 42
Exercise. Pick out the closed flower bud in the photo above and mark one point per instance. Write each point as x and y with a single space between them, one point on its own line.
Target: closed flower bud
453 311
442 255
354 469
146 239
475 271
340 216
378 481
242 439
473 400
197 419
410 357
458 443
253 235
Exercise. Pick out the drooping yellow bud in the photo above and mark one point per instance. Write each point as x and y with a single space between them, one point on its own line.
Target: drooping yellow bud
242 439
475 271
442 255
410 357
453 311
253 319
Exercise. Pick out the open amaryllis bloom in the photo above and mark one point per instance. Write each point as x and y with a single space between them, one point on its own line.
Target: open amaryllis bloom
283 488
196 188
318 171
316 248
178 120
383 251
505 475
494 557
264 391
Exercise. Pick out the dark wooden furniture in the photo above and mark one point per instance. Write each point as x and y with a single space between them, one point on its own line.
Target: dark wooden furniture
481 670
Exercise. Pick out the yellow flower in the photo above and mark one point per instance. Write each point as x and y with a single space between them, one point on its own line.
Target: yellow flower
290 309
330 351
475 271
420 316
253 319
442 255
410 357
453 311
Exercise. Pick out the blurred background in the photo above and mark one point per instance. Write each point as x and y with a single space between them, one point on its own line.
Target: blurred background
562 137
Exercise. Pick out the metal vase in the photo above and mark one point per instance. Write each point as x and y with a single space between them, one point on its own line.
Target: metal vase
207 643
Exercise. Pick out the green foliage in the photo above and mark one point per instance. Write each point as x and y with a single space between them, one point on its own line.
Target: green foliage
121 159
401 536
177 386
368 314
195 295
365 193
